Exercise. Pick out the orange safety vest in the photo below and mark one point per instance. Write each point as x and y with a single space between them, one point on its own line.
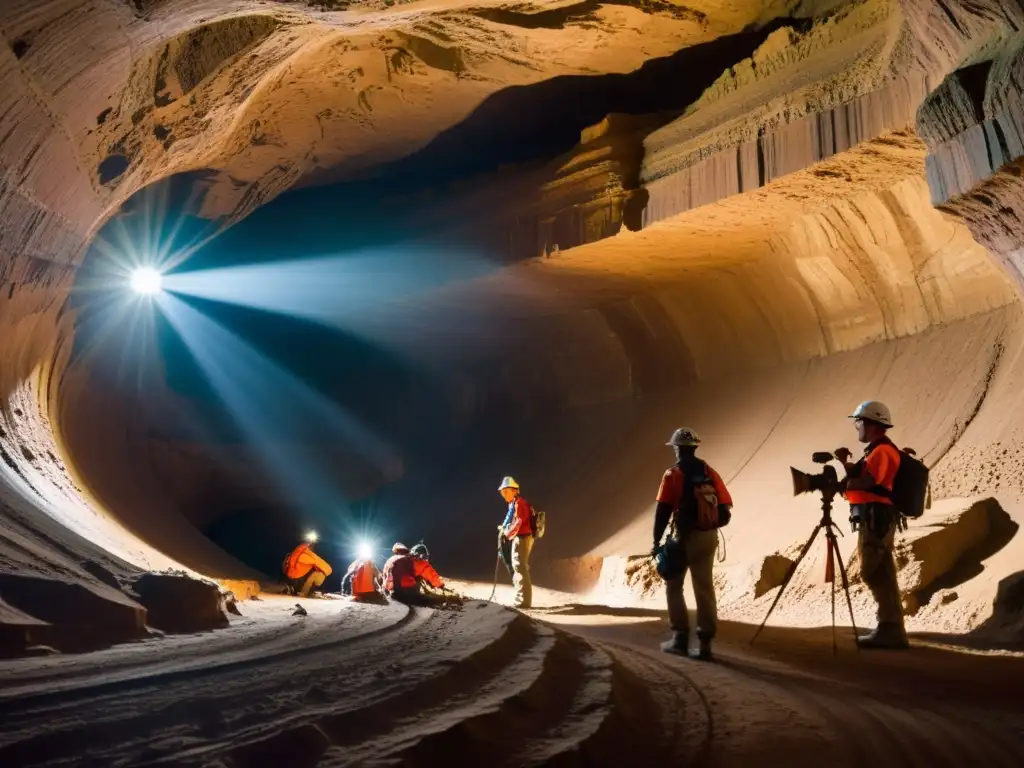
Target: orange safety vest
362 578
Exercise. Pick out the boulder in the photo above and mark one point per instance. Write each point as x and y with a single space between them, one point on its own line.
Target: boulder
946 540
72 615
178 603
773 572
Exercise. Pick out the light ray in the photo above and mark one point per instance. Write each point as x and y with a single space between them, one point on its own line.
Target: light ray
266 402
379 296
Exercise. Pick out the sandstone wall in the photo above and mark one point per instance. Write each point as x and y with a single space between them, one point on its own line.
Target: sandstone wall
789 261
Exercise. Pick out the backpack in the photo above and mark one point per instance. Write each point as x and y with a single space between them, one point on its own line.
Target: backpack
539 521
910 488
705 507
910 491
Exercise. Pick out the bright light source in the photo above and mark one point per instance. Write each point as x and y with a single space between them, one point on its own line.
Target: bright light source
147 281
365 550
312 536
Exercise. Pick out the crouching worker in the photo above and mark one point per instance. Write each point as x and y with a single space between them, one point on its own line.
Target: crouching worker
694 499
362 581
406 571
304 570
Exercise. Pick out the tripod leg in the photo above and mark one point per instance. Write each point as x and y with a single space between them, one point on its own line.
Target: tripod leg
785 581
846 589
832 586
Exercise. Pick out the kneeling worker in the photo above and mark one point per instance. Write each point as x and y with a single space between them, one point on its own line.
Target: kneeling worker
694 498
361 581
868 484
304 569
404 571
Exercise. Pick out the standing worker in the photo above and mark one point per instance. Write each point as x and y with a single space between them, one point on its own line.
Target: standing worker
869 484
694 498
518 530
304 569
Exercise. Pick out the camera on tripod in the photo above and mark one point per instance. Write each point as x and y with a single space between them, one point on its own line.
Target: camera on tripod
826 482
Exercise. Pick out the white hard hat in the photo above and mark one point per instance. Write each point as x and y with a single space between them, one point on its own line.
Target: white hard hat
683 437
872 410
508 482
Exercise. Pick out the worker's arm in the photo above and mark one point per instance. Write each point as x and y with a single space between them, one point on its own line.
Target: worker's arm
662 514
513 525
425 571
861 475
319 563
668 497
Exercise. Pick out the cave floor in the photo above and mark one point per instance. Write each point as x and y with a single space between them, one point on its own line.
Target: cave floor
572 684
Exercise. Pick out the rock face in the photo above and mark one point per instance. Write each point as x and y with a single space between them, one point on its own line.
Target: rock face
175 603
749 244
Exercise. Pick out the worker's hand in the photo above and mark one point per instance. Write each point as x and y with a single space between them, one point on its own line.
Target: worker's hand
843 454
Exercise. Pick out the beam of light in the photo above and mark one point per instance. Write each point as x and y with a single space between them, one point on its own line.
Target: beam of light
312 537
146 281
377 294
266 401
365 550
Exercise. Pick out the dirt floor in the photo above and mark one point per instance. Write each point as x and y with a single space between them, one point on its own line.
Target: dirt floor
566 684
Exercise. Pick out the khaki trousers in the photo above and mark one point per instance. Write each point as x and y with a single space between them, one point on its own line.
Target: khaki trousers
522 586
878 570
312 581
699 548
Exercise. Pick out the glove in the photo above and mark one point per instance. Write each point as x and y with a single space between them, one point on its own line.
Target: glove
842 454
654 549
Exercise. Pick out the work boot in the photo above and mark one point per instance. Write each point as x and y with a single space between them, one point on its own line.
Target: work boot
677 644
887 636
703 653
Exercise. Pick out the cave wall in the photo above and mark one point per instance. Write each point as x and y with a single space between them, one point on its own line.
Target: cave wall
841 132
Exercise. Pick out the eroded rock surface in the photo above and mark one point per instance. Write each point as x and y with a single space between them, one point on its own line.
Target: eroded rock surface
751 256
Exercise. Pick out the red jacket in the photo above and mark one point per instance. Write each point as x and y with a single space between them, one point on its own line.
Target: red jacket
403 571
519 521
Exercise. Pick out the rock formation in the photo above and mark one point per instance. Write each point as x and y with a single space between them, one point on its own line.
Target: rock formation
744 216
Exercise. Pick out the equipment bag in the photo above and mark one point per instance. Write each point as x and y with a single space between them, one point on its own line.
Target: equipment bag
910 488
705 507
540 522
670 559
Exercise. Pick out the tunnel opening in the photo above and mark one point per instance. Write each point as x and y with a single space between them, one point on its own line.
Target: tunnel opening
379 389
